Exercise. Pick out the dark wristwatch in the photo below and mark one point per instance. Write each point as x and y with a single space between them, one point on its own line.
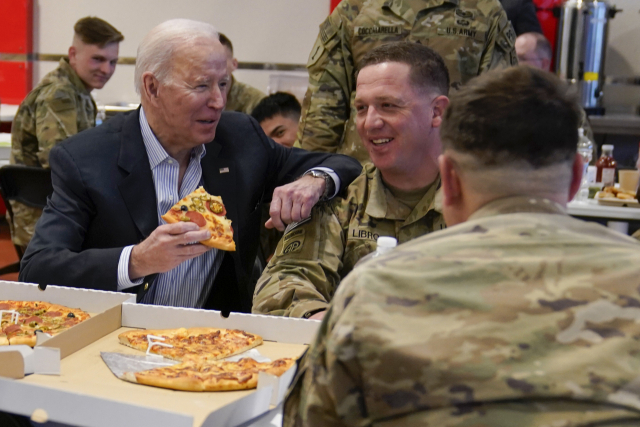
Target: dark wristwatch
329 185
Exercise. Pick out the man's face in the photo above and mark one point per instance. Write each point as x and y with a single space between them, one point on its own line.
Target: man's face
527 55
282 129
189 104
94 64
394 120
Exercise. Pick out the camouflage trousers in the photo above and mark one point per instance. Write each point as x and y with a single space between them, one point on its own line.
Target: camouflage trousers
24 223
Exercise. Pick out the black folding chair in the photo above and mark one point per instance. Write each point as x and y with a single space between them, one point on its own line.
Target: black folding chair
27 185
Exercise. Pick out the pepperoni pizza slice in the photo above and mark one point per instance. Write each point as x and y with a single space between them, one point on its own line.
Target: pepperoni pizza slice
208 212
34 316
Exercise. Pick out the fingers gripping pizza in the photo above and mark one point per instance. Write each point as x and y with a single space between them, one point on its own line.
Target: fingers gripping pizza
199 350
208 212
22 319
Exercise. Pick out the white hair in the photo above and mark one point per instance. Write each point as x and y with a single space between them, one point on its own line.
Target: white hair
158 46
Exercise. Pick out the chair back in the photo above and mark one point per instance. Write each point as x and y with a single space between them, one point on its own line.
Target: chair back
25 184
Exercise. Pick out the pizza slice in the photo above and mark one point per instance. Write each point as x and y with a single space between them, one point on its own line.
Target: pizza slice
209 213
204 343
199 375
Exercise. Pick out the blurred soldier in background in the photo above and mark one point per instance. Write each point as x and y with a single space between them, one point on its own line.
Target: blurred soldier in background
60 106
515 315
401 95
241 96
278 115
472 36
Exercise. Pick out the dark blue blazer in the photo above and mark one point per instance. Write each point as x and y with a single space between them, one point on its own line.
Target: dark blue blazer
104 200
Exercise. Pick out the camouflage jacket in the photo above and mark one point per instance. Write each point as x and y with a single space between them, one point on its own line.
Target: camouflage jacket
314 255
522 316
472 36
59 107
242 97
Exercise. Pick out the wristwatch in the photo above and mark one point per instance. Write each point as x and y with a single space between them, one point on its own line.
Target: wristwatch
329 185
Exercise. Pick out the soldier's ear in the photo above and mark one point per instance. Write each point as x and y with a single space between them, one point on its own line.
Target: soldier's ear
439 104
72 55
451 188
234 63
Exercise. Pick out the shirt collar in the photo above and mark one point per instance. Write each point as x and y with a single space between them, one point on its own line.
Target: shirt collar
156 152
74 78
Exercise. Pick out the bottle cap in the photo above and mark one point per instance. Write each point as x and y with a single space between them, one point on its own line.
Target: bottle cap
387 242
607 147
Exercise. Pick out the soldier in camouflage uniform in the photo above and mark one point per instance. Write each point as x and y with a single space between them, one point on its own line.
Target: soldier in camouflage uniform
60 106
520 316
395 196
241 96
472 36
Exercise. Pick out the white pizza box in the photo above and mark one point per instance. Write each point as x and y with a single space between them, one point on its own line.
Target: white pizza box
105 310
88 394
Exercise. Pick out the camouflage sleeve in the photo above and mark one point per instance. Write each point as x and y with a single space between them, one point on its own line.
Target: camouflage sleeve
302 276
327 389
500 51
325 108
56 120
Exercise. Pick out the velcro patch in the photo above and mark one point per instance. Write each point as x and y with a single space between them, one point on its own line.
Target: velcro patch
378 30
463 32
292 246
327 30
293 225
295 233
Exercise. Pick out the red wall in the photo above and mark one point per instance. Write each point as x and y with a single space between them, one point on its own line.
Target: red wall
16 37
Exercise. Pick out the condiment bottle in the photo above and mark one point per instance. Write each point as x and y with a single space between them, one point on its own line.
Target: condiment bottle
606 165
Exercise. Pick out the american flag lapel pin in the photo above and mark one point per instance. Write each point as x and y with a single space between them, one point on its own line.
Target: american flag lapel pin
224 170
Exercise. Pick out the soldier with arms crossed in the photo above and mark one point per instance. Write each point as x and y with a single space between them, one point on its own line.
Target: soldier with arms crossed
60 106
400 98
515 315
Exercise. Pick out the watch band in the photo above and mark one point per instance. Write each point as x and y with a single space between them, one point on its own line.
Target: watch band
329 185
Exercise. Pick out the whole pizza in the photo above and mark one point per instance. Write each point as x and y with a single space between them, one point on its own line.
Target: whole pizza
21 320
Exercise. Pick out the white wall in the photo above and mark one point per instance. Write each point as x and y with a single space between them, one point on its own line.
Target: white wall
278 31
623 56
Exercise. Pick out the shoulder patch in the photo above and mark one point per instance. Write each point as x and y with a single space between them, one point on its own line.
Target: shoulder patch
327 30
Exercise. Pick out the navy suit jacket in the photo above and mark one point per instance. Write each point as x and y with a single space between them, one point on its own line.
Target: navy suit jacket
104 199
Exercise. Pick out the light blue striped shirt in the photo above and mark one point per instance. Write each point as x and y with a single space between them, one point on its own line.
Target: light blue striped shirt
189 284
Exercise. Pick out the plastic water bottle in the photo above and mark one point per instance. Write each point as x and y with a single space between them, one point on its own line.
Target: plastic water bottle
384 245
585 149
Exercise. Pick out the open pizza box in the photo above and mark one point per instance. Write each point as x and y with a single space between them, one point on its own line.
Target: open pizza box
88 394
44 358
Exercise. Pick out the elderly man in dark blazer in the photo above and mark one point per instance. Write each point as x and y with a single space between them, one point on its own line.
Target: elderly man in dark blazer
102 228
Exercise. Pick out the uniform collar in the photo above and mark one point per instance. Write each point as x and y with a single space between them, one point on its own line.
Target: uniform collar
378 203
74 78
518 204
407 9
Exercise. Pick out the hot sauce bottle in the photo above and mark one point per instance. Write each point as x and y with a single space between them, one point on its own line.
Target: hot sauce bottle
606 167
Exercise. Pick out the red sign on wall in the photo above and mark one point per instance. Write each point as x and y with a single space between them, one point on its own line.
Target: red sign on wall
16 46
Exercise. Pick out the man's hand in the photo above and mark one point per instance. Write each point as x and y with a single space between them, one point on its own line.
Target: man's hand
165 248
293 202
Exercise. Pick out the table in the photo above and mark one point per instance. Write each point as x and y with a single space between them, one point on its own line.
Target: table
616 217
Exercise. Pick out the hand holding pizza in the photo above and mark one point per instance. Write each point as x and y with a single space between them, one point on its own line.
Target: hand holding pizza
166 247
293 202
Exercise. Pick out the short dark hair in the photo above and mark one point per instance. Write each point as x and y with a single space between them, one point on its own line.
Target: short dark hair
93 30
225 41
279 103
428 70
516 114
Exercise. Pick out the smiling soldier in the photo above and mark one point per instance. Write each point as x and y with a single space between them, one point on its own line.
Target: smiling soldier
401 94
60 106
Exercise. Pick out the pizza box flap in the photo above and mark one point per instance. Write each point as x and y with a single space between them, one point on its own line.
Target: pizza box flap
85 299
270 328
